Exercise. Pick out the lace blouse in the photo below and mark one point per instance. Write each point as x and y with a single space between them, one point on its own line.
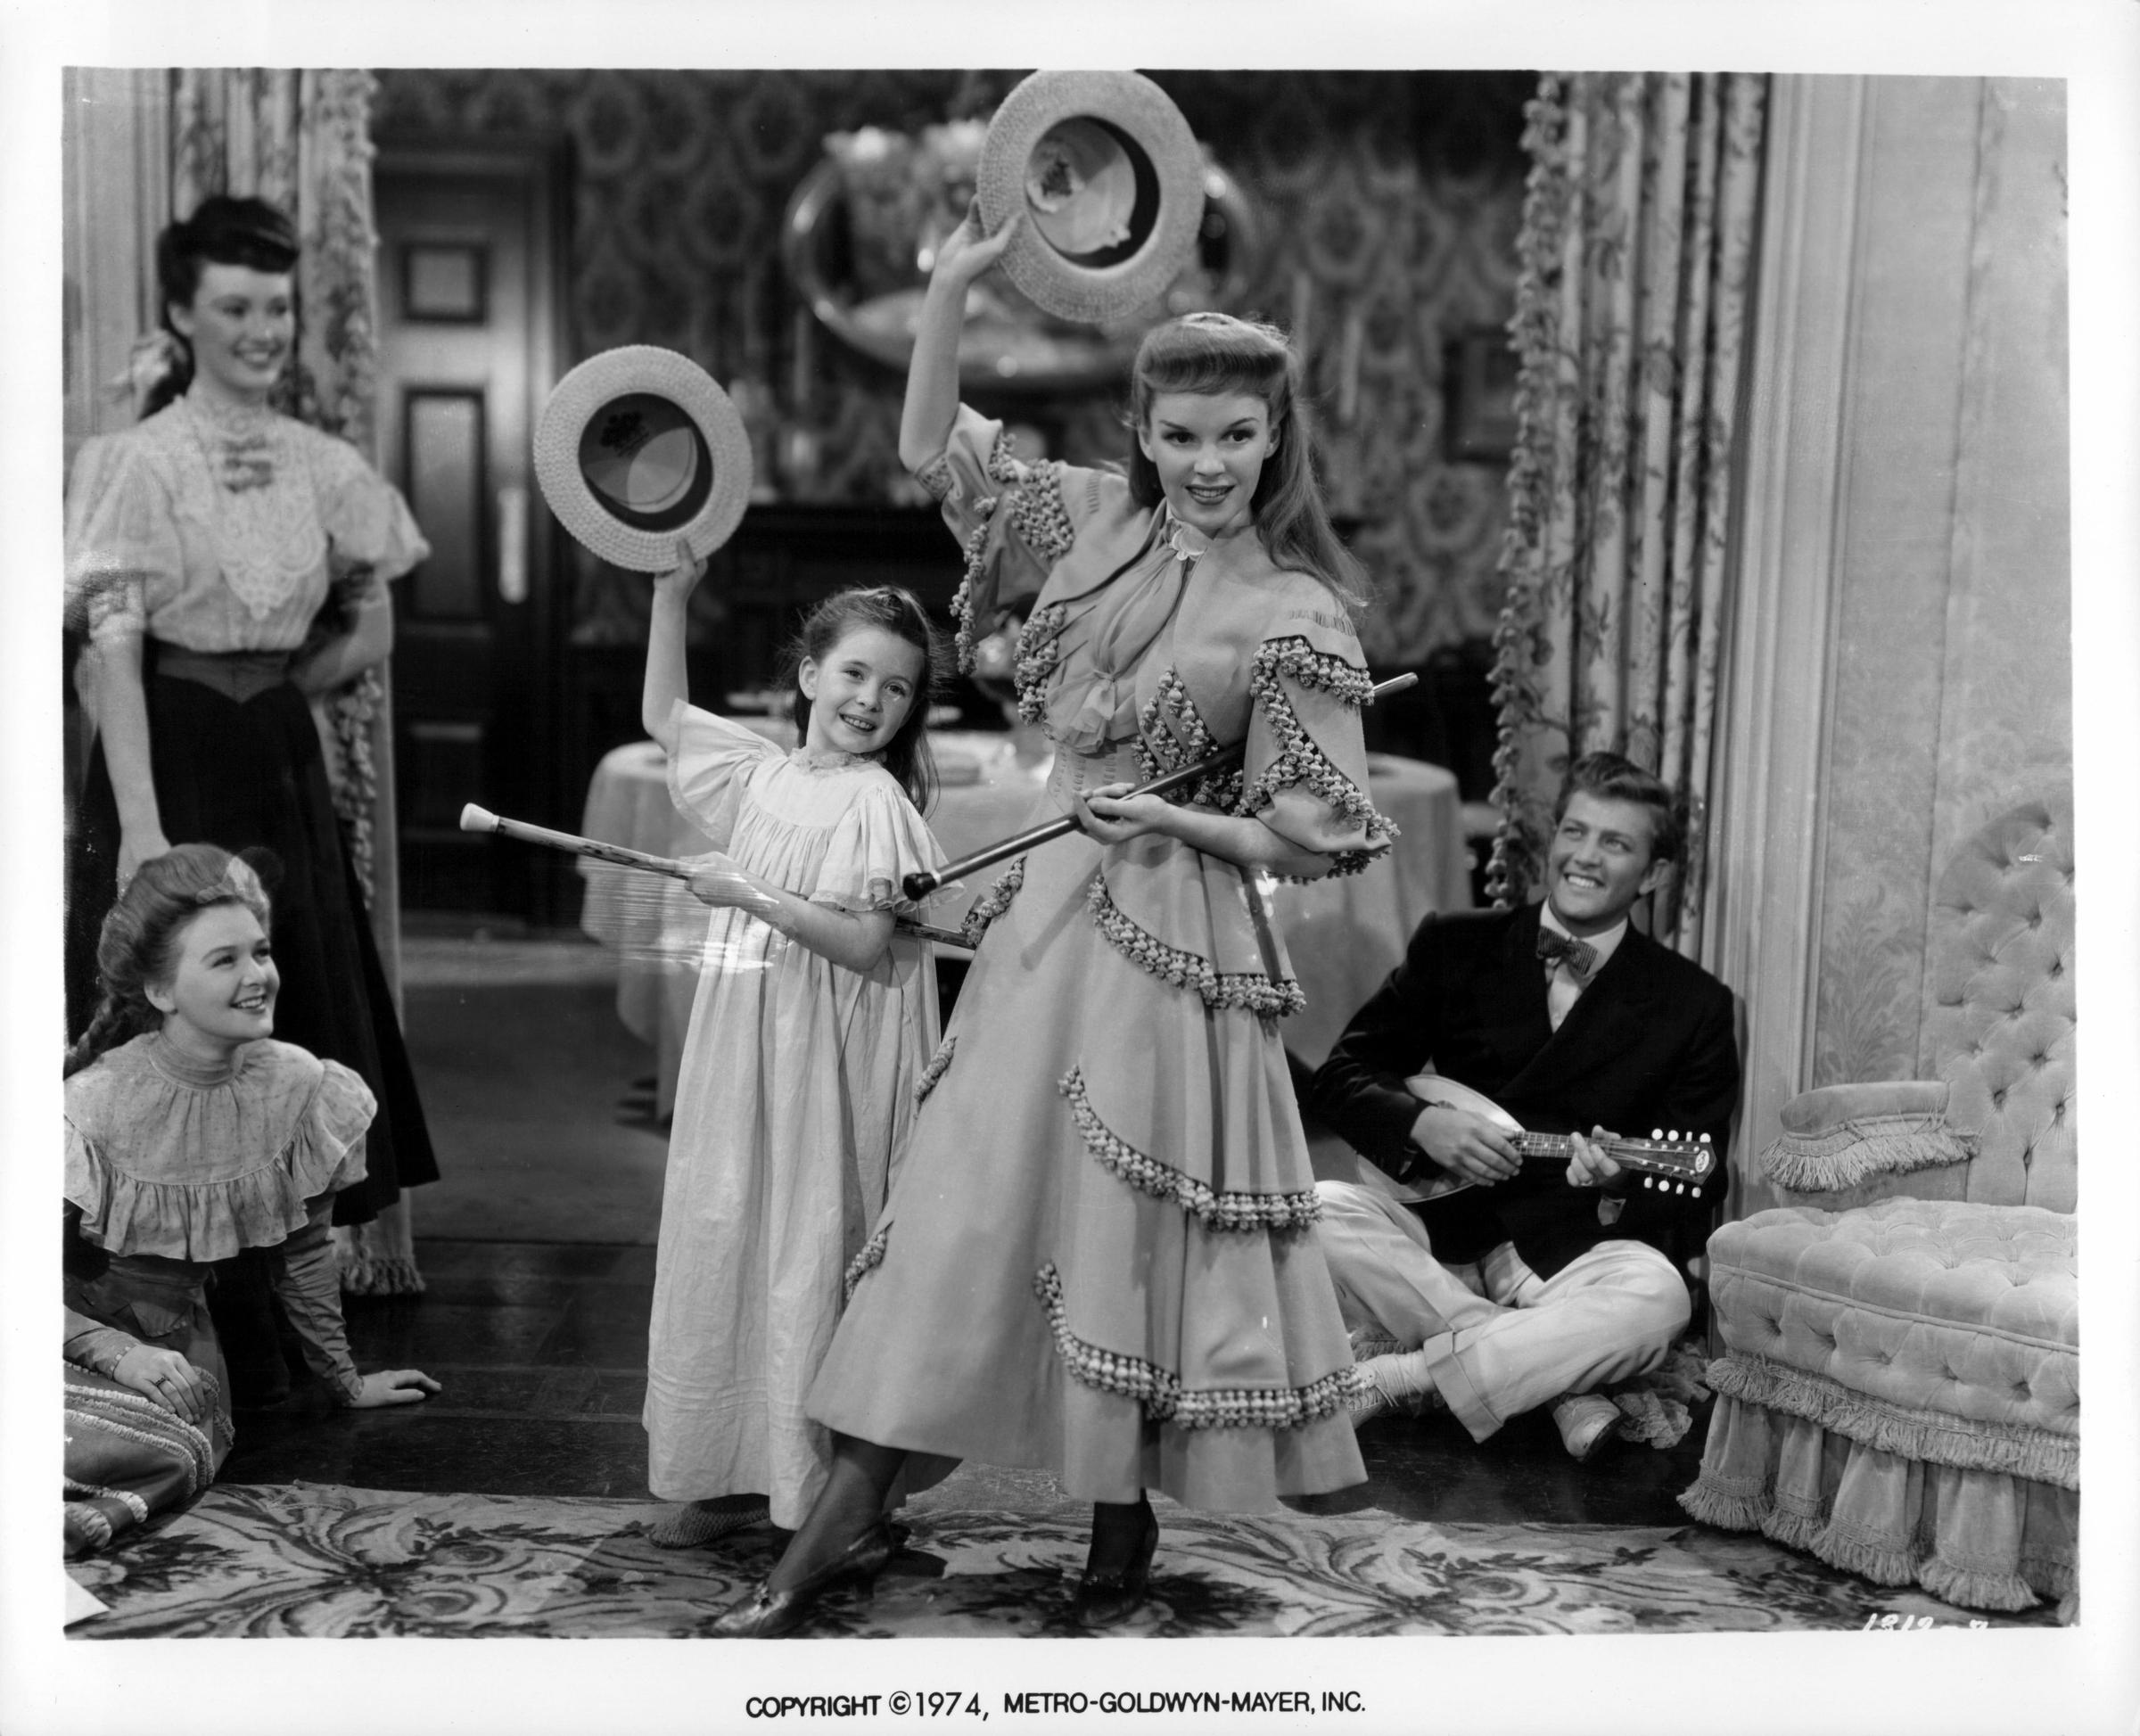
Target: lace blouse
224 535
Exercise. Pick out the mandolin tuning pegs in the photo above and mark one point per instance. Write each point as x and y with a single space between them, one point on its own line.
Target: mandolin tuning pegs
1705 1139
1657 1132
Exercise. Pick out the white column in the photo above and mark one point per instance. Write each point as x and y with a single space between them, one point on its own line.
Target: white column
116 181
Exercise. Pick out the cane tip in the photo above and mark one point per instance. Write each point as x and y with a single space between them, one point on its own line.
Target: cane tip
920 884
478 819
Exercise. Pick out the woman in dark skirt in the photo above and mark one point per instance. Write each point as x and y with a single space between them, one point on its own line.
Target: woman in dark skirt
202 545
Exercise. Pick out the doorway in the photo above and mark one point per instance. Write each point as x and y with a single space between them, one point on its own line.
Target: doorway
470 304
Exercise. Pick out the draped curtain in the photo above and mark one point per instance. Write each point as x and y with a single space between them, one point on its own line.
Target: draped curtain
302 142
1636 253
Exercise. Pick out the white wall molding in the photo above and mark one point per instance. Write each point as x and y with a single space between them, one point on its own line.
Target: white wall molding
116 172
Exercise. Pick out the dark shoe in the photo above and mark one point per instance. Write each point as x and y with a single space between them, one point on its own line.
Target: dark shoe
770 1614
1107 1600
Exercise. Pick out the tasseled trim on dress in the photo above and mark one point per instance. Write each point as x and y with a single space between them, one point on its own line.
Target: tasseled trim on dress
1299 759
869 1260
1035 660
1300 663
1165 1399
962 599
1250 991
1214 1210
1037 514
992 903
1161 750
1036 507
931 1074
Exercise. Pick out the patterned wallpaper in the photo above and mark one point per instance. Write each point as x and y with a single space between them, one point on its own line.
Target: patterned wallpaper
1951 680
1393 198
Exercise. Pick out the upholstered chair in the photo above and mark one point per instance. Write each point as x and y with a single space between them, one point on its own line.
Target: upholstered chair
1898 1388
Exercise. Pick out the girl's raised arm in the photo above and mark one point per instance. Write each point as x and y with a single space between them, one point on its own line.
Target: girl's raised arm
668 679
932 403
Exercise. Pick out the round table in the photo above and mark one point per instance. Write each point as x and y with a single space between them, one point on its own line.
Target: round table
1343 936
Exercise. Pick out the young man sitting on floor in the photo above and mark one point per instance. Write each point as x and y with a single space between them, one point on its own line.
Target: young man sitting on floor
1541 1283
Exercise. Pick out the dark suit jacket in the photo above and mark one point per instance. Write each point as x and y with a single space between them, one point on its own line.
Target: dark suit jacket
1649 1044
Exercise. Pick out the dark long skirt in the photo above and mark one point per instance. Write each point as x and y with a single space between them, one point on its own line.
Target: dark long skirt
240 774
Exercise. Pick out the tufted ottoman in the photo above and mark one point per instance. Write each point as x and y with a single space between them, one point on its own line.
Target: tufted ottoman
1900 1393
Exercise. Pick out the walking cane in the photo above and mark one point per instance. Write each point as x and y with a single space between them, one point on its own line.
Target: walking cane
482 820
921 885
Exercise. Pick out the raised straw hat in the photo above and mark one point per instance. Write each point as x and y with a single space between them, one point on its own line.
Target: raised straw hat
1111 181
636 448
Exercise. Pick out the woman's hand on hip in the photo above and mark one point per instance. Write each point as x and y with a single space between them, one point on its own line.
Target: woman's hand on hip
166 1376
393 1387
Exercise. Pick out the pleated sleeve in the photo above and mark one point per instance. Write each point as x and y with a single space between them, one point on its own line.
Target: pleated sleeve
1305 770
1014 519
713 758
875 844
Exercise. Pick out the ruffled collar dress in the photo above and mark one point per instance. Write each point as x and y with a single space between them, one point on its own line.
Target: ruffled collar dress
796 1085
1098 1258
170 1166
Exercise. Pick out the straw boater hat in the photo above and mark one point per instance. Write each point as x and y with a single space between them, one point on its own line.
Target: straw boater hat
636 448
1112 185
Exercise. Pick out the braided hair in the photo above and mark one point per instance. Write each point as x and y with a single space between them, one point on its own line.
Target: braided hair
138 946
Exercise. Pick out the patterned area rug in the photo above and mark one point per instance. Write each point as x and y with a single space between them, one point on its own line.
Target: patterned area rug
319 1560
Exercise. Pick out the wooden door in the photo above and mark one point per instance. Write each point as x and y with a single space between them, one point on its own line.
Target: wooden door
468 346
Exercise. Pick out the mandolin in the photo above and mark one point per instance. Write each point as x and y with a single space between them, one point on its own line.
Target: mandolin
1664 1161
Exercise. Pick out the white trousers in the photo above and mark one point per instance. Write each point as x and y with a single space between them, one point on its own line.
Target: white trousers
1499 1340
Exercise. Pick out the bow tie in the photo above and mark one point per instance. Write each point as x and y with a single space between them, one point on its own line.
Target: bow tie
1581 955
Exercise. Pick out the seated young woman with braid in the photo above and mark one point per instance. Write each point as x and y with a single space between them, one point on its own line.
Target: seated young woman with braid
192 1135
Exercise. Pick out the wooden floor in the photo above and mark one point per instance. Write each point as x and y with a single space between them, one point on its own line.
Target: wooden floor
540 1265
542 1350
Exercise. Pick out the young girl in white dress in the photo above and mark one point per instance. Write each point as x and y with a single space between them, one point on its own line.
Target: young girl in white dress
810 1035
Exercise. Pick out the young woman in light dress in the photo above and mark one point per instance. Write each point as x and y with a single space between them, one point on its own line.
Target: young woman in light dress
1099 1257
809 1038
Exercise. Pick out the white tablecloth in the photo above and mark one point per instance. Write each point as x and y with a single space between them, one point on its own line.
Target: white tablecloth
1343 936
